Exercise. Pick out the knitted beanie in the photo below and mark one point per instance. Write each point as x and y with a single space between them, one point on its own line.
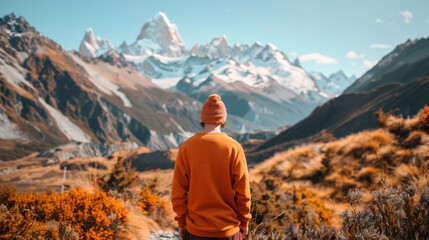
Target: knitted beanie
213 111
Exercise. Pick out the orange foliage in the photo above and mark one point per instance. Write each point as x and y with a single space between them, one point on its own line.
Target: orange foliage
14 225
304 197
91 214
149 202
424 116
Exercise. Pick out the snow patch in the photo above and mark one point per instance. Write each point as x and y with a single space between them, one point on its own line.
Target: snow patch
102 83
14 75
9 130
167 83
167 141
70 130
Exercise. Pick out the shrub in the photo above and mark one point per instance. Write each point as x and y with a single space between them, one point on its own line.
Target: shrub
424 117
393 213
14 225
281 213
149 202
119 179
93 215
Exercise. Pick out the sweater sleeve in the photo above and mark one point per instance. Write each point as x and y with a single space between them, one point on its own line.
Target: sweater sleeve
179 192
242 189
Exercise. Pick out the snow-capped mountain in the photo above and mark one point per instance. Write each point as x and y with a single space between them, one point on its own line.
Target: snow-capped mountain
160 53
159 36
93 47
217 48
399 82
335 84
50 97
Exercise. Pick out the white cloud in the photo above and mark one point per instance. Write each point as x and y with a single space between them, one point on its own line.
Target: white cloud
319 58
378 20
293 54
353 55
228 10
427 21
407 16
353 63
380 46
369 64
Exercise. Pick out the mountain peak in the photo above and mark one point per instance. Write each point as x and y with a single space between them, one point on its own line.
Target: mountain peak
219 41
196 51
297 63
9 17
89 37
94 46
15 24
159 36
161 18
338 75
271 46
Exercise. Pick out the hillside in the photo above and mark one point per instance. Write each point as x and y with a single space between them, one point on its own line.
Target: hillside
304 189
404 87
51 97
301 188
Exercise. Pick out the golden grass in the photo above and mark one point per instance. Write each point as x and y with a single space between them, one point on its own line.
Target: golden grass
397 153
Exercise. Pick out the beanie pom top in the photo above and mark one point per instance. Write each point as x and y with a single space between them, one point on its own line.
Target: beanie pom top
214 98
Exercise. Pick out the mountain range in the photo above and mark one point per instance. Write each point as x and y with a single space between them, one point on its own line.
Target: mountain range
100 97
259 83
51 97
399 82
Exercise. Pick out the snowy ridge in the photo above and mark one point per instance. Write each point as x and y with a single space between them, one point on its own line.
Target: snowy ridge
160 53
93 47
335 84
267 72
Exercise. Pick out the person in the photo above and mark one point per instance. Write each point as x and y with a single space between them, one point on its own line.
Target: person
210 192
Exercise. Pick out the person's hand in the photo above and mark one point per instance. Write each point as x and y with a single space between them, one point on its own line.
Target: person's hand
244 231
182 232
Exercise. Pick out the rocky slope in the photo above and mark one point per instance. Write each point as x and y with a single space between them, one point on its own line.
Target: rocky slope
54 97
399 81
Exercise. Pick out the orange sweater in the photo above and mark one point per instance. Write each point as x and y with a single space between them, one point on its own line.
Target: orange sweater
211 194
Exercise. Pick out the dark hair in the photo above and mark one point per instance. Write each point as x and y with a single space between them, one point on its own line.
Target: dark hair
223 125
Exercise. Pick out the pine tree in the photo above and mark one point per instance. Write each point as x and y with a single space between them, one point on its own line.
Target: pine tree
119 179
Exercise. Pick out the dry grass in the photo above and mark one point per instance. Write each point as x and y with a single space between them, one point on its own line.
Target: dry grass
35 175
322 173
396 153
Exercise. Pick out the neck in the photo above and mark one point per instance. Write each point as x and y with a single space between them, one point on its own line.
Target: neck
211 128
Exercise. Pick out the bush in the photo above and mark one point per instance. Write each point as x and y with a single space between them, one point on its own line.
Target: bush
119 179
424 117
149 202
288 212
14 225
394 213
93 215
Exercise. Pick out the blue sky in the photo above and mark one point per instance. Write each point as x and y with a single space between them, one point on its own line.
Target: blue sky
327 35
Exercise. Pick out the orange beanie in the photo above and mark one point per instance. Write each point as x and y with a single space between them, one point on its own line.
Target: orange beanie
214 111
